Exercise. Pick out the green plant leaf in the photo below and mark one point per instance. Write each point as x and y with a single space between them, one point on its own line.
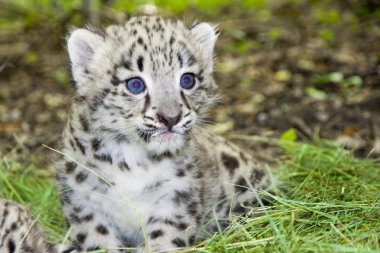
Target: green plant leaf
336 77
289 135
315 93
327 35
354 81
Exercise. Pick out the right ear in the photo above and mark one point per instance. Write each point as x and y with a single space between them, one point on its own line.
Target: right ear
81 46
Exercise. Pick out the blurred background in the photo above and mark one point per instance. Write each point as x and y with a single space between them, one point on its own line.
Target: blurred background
309 69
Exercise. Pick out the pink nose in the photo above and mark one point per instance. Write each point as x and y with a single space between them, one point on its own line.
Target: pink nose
169 121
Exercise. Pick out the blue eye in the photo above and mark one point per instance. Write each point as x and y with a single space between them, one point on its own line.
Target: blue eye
135 85
187 81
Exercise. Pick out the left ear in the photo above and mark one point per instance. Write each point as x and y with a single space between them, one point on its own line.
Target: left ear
205 34
82 45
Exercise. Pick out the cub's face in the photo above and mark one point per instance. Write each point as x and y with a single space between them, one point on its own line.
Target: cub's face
149 80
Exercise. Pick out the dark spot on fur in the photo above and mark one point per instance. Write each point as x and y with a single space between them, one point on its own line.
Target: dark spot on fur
99 99
156 233
95 143
81 237
146 103
192 240
72 145
88 217
148 117
4 216
170 222
180 173
151 219
190 60
192 208
181 196
182 226
70 167
81 176
239 208
80 145
185 100
103 157
144 135
11 246
241 185
121 138
153 187
179 242
189 167
230 162
150 126
140 63
259 174
14 226
171 41
74 218
101 229
200 76
115 82
180 60
26 248
162 156
199 174
123 166
84 122
126 63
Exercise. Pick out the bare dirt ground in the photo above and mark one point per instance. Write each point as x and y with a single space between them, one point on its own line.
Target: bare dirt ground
286 69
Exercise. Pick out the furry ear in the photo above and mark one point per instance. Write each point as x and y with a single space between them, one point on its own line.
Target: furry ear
205 34
81 46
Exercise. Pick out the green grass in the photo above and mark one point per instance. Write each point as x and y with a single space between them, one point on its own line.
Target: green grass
36 189
332 204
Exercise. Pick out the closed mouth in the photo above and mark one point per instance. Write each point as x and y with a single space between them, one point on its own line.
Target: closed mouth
162 135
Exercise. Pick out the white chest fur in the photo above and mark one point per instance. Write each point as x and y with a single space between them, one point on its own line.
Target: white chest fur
128 195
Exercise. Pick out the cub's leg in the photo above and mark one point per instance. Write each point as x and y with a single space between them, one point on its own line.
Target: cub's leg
175 227
91 230
20 233
233 181
244 186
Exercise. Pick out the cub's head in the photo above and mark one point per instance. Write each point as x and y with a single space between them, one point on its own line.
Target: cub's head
149 80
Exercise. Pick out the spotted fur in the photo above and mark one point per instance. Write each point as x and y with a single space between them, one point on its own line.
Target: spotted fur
20 233
126 178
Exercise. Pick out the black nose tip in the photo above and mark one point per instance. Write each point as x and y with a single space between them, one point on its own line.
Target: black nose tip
169 121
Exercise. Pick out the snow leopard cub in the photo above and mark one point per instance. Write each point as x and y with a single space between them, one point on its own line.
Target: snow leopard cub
137 171
20 233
